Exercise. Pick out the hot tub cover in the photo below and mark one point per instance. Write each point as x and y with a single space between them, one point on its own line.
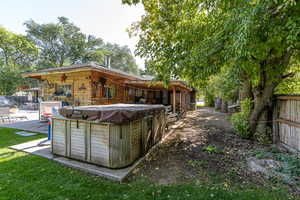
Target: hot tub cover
114 113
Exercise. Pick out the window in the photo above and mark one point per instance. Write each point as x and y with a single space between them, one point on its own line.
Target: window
131 92
108 92
63 90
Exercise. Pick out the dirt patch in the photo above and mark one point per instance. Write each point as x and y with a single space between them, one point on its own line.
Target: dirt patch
202 148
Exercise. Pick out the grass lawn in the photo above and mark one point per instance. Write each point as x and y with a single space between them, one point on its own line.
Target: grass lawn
29 177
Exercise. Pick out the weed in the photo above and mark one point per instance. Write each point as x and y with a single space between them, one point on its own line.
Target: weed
273 149
197 163
210 149
240 120
290 164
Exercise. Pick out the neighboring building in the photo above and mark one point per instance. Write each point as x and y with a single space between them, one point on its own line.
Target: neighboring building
92 84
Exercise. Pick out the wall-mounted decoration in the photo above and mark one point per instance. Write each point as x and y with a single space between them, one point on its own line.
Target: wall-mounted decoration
82 87
63 78
95 83
49 85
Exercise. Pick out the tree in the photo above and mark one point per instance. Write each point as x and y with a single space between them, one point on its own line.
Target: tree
17 54
63 43
122 58
290 85
194 39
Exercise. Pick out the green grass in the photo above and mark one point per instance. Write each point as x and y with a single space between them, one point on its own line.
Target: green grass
28 177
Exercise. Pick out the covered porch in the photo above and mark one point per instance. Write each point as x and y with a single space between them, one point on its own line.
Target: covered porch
176 94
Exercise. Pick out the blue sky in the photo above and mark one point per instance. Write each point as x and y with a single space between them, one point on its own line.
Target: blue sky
107 19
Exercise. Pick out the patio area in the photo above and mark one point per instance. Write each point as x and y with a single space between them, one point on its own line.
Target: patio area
30 125
30 122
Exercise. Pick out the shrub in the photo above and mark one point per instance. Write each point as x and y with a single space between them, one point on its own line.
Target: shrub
240 120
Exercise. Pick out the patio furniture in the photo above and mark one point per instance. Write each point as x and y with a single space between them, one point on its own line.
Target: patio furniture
6 117
5 114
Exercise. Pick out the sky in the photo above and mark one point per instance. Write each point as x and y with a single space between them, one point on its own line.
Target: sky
107 19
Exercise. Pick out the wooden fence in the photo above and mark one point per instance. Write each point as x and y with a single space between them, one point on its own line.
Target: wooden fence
286 126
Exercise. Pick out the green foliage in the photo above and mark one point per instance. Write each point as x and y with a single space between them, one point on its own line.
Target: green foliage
290 163
122 58
196 39
209 97
212 149
263 133
273 149
240 120
290 85
63 43
197 163
224 85
9 79
17 55
54 45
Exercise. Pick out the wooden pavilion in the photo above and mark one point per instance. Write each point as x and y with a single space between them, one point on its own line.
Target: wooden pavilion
93 84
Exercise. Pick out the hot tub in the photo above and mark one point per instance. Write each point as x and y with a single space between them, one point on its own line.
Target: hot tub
113 136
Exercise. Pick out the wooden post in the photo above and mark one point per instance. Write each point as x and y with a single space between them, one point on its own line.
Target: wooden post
276 138
174 100
180 101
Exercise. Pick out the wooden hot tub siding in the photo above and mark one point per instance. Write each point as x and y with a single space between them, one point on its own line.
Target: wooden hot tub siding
109 145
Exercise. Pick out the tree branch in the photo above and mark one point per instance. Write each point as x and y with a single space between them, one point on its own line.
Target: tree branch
289 75
253 57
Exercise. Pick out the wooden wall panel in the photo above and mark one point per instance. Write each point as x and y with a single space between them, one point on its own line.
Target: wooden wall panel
289 122
99 144
78 81
136 134
78 147
120 146
59 137
87 89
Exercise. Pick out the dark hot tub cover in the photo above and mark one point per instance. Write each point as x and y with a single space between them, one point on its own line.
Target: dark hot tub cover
114 113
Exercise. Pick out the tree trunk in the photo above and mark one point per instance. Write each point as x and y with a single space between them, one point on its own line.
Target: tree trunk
262 101
246 90
260 117
218 103
224 106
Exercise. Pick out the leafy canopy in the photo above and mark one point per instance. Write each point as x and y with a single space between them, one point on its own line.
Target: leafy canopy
63 43
17 54
193 39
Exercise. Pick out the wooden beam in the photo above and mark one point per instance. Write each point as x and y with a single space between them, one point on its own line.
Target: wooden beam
180 100
294 124
289 97
276 137
174 100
